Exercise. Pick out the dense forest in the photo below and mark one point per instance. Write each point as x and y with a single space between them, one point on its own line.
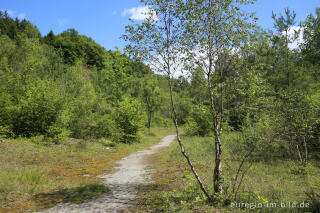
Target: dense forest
66 85
255 88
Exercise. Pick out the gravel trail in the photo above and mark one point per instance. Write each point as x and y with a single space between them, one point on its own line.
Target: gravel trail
131 172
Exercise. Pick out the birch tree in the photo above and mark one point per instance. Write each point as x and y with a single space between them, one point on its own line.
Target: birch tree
213 30
156 42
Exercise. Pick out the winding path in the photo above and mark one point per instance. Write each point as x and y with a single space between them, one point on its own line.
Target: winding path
132 172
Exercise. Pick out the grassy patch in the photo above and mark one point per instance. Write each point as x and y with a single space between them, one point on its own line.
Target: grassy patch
72 195
273 181
30 167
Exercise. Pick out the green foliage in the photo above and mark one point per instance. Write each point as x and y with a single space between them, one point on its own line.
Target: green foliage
310 47
258 141
105 126
107 143
314 199
128 118
198 86
199 122
5 132
284 23
183 107
16 28
151 98
36 109
298 119
58 133
161 121
67 85
180 201
75 47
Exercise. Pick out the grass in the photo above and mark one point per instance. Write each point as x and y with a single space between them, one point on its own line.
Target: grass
35 175
275 181
71 195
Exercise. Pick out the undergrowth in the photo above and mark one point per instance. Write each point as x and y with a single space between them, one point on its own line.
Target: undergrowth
277 184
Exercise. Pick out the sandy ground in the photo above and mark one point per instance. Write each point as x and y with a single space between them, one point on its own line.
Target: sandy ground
131 172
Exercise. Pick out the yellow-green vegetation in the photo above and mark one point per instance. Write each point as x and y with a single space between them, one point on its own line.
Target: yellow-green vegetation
266 181
35 175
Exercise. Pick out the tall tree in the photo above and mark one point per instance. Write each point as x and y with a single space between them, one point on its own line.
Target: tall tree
213 30
283 25
156 41
151 98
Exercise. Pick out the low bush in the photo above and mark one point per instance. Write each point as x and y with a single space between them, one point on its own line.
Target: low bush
199 122
129 121
5 132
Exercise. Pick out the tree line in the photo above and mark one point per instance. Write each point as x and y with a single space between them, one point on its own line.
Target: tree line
67 85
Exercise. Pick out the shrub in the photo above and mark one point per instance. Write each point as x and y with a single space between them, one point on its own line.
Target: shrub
104 127
161 121
106 142
37 109
199 122
57 134
129 121
5 132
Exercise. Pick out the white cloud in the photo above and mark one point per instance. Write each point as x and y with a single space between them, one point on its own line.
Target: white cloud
298 38
137 13
10 12
13 13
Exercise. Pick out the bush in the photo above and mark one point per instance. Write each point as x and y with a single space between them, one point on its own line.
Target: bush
183 108
5 132
129 121
238 118
104 127
106 142
183 200
161 121
191 127
199 122
37 109
58 134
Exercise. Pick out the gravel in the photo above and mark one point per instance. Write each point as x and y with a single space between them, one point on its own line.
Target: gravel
131 172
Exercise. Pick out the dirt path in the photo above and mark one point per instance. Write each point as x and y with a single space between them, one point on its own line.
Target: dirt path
130 173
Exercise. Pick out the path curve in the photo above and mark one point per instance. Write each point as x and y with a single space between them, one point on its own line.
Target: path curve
132 172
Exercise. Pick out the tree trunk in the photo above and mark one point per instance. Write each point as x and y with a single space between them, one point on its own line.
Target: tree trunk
299 154
305 151
217 171
149 120
202 187
287 55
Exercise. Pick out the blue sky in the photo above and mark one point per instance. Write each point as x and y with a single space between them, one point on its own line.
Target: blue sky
104 20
